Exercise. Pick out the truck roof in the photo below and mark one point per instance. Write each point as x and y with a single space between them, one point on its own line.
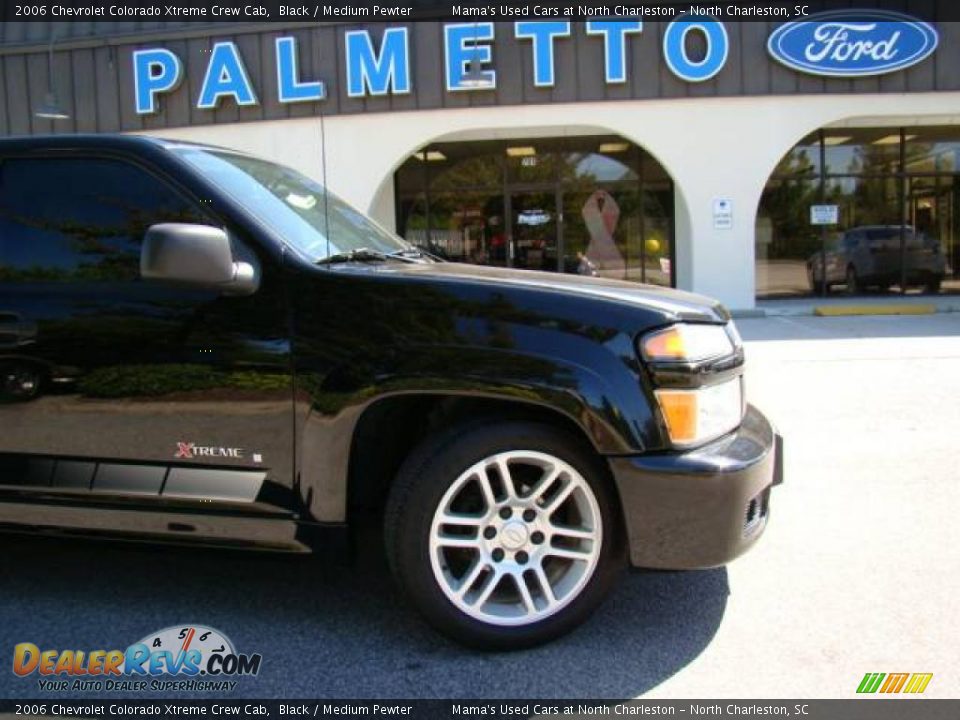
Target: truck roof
114 141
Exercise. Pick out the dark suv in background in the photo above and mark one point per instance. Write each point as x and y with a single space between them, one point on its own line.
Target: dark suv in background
872 256
227 354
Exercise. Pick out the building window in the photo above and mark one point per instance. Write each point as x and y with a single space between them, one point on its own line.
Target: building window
898 205
595 205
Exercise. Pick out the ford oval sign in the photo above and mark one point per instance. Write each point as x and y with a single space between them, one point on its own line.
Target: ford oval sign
852 43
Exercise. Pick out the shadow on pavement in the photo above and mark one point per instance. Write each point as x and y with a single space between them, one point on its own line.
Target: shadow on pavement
330 631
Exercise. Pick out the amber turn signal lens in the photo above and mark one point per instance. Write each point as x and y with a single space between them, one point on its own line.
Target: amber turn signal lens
694 417
688 343
665 345
679 409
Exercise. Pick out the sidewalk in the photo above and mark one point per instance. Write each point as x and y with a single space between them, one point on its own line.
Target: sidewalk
882 304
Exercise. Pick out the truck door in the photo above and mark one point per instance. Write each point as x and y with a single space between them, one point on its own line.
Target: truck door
128 404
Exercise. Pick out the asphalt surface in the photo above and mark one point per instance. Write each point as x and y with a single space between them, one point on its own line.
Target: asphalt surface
858 571
329 631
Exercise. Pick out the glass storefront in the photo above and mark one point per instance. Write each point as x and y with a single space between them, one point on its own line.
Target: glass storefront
896 194
589 205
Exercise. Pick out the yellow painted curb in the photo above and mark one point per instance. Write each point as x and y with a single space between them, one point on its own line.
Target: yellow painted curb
904 309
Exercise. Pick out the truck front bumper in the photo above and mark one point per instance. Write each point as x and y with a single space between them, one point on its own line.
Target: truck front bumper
704 507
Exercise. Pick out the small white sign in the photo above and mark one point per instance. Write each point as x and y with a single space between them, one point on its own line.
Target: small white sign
722 213
824 215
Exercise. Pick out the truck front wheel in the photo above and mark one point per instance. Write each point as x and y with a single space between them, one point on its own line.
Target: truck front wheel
504 535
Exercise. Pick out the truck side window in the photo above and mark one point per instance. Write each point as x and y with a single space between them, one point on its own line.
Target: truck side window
80 219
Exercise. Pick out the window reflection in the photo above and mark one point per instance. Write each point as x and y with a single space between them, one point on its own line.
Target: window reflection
803 159
596 205
88 215
449 167
784 236
934 149
597 167
869 152
896 195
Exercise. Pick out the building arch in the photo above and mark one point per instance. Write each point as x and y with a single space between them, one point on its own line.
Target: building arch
894 182
559 198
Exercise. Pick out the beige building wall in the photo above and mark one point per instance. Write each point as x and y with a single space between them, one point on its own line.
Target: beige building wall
712 147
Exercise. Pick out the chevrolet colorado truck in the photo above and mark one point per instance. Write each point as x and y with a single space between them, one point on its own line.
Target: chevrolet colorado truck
200 346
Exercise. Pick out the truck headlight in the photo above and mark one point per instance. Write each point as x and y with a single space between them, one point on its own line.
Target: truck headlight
688 343
696 416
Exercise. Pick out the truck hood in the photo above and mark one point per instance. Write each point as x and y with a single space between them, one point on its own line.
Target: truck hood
677 305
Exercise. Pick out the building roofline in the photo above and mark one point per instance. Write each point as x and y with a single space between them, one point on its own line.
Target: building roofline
194 30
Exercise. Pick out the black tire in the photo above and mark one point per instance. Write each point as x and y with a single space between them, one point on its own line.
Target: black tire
852 282
19 383
815 285
933 286
423 481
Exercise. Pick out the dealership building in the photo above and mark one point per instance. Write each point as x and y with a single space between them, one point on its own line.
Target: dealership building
723 157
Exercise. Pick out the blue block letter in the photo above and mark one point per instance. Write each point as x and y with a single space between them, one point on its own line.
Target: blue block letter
615 45
289 87
225 76
675 49
378 75
462 47
542 34
154 71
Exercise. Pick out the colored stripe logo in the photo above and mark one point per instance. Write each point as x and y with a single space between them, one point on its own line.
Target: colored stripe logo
910 683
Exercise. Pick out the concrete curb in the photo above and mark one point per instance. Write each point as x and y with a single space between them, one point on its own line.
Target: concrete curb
851 308
886 309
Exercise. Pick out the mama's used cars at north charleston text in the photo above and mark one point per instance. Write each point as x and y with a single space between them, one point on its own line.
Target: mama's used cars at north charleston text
207 347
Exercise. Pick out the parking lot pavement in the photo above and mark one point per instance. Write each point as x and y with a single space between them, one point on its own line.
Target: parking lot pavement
860 566
327 631
858 571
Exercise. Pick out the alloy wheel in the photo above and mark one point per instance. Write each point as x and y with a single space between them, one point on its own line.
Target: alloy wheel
516 538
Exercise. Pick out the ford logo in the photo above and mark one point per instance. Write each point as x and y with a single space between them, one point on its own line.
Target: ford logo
849 43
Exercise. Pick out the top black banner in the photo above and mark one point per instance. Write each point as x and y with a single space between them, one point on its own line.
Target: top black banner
207 11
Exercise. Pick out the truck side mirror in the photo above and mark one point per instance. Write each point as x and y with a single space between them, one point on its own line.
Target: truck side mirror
199 256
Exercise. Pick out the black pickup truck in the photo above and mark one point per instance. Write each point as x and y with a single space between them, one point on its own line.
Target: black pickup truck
200 346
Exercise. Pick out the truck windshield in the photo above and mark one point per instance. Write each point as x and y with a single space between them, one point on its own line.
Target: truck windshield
293 205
